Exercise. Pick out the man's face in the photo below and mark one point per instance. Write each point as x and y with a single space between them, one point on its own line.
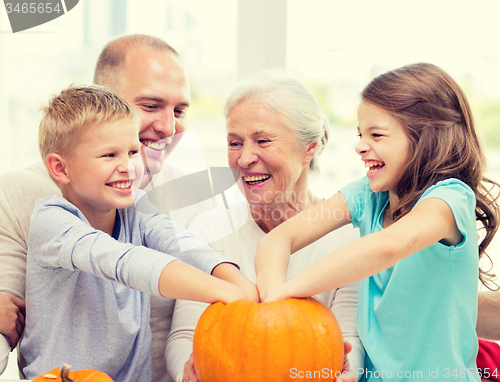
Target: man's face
156 85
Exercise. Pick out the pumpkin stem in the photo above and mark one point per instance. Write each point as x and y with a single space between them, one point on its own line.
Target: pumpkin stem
65 373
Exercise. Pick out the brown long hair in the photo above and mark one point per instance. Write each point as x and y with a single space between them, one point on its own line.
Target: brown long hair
438 121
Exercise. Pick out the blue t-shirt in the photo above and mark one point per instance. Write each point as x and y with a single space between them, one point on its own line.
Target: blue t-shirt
417 319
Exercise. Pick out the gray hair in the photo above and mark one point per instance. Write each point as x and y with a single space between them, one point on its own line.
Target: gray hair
291 99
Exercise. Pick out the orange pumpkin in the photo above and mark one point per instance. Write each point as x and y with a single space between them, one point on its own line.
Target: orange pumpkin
273 342
64 375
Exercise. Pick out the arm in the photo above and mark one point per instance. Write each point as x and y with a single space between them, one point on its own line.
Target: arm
183 281
180 339
166 236
17 198
274 250
344 307
488 317
62 239
229 272
429 222
13 266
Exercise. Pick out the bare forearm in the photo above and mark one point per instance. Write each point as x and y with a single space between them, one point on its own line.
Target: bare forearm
229 272
274 250
428 223
271 262
183 281
353 262
488 317
350 264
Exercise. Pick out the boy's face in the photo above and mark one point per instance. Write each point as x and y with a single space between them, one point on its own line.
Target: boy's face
105 168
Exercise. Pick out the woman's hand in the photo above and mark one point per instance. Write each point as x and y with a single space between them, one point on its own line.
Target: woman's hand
189 374
12 311
347 374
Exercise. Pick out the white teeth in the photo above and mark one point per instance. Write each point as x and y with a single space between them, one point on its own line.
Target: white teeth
253 178
155 145
373 163
374 166
121 185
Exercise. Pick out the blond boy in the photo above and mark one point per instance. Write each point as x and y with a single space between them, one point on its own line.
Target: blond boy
93 259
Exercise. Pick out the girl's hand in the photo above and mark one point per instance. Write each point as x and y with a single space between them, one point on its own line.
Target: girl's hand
189 374
268 289
279 292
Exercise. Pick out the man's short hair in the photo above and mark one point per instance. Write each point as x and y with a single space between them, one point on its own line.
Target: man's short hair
74 111
112 58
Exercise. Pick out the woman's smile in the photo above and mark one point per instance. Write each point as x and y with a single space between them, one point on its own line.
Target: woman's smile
266 152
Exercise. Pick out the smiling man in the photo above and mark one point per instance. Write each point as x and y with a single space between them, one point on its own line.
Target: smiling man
148 73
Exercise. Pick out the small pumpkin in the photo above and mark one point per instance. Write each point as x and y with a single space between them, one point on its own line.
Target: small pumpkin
271 341
64 375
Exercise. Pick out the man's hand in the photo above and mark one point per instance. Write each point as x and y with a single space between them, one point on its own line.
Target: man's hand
12 311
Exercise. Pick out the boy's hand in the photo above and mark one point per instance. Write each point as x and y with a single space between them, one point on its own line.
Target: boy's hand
12 311
229 272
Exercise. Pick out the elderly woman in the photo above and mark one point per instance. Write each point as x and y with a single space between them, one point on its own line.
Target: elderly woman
275 132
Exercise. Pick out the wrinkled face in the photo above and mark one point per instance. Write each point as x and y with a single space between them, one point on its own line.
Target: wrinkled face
105 168
272 162
156 85
383 147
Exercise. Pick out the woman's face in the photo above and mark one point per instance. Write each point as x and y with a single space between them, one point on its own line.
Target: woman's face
272 163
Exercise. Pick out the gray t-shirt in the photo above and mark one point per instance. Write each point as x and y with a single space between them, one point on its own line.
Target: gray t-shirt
81 307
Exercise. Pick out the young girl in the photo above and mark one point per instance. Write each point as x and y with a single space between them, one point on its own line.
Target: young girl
416 210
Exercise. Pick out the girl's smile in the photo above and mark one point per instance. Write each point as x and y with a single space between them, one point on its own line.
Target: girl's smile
383 147
373 167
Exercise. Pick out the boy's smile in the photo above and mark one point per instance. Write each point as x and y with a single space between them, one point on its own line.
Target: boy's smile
104 169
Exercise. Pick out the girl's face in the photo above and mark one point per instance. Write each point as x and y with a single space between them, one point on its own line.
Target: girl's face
383 147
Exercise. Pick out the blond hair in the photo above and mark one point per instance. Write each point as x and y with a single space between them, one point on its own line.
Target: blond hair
74 111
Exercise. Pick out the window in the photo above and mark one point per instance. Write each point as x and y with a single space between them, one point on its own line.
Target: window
334 46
